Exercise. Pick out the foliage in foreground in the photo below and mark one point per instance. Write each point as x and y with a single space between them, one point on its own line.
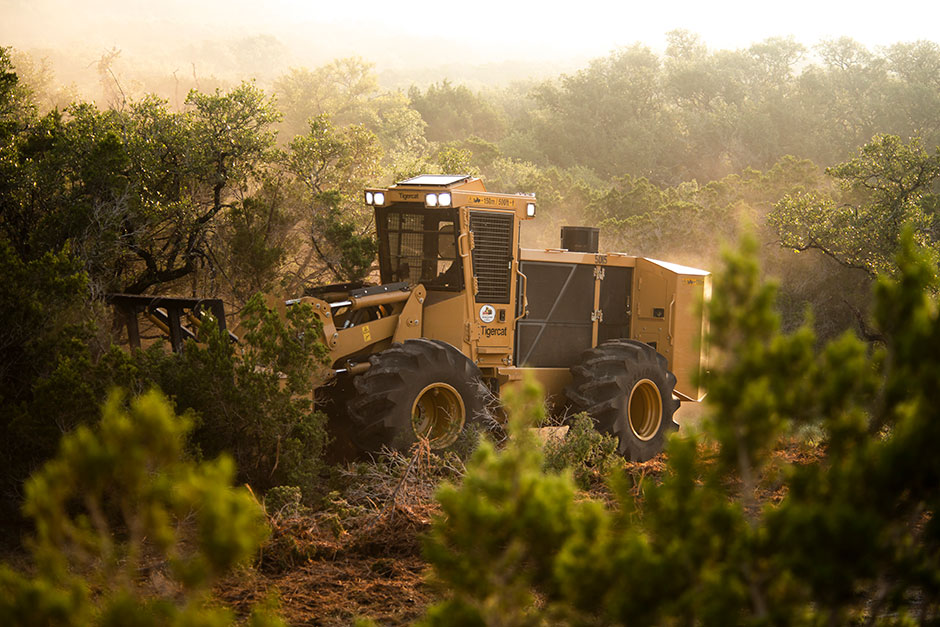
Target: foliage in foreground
128 531
251 401
853 540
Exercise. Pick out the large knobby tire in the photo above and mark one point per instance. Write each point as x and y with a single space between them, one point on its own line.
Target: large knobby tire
626 388
419 388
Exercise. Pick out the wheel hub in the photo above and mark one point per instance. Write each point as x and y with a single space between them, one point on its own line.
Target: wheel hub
645 409
438 414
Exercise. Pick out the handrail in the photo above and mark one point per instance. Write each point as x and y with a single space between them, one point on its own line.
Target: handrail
672 320
460 248
525 300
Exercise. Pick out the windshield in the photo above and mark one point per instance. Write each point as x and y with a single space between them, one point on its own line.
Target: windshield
419 245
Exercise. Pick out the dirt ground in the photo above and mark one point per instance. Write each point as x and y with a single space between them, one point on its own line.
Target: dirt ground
328 572
331 567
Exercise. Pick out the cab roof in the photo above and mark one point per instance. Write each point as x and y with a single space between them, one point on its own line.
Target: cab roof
435 180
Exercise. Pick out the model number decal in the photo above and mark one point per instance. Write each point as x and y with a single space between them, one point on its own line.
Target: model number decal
489 201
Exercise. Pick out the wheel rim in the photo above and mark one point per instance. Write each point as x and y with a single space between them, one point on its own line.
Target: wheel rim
438 415
645 410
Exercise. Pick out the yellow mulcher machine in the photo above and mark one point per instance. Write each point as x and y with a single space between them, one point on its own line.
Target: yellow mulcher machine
463 311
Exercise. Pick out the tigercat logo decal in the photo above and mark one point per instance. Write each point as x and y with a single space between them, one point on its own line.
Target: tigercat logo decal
491 331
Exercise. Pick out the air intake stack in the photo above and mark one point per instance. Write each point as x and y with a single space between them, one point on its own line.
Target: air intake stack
580 239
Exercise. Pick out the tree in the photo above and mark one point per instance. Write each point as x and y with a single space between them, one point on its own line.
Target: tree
44 325
12 106
891 184
401 134
913 95
258 238
328 158
848 98
334 165
137 192
777 58
341 90
454 112
228 140
254 400
344 243
617 96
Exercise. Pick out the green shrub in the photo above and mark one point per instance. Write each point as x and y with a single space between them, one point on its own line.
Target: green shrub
253 399
118 508
590 454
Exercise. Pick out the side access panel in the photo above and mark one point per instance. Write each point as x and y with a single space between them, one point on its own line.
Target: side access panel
616 293
558 325
492 240
654 293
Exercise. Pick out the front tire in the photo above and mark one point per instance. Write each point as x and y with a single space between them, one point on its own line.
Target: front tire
417 389
625 387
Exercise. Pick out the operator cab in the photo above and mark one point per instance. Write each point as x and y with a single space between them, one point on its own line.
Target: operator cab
417 232
418 223
419 245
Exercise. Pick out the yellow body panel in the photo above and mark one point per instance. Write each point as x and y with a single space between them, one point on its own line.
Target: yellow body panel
678 294
445 318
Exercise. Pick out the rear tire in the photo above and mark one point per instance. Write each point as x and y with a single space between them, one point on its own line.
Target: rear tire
419 388
625 387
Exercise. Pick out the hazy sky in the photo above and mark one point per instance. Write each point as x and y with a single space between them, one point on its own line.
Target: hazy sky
401 34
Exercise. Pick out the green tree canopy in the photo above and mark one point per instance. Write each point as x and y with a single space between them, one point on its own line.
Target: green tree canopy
135 193
889 186
454 112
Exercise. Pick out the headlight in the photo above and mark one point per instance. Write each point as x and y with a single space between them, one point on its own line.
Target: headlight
530 209
443 199
369 199
379 198
430 200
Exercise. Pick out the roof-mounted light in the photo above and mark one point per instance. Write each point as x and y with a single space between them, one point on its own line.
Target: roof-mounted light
430 200
444 199
530 209
379 198
369 198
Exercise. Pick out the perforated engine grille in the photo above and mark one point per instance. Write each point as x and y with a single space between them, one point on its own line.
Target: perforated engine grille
492 255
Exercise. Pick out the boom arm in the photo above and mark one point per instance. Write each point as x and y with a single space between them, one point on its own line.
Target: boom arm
354 326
